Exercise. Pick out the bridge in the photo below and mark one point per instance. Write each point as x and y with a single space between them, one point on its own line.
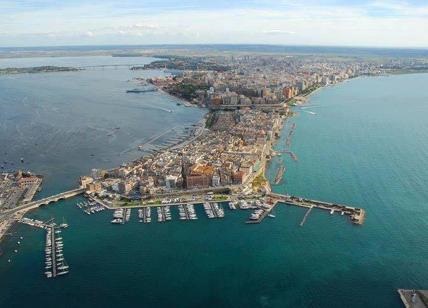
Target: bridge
44 201
102 66
55 198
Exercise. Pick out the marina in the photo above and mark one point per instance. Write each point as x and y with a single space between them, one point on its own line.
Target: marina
118 216
213 210
144 215
55 264
164 213
232 205
356 215
262 210
90 207
187 212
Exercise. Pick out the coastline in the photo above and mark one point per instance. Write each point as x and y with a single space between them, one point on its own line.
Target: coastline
202 122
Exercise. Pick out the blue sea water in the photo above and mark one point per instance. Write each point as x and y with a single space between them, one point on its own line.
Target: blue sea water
63 124
362 143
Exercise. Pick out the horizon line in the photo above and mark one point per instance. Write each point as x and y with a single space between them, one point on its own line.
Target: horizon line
220 44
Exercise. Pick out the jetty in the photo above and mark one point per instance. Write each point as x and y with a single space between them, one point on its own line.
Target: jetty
164 213
54 259
356 215
414 298
279 174
144 215
306 216
213 210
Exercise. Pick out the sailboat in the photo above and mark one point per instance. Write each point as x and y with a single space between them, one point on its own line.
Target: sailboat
64 224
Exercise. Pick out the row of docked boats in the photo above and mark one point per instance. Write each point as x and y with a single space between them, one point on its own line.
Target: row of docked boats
233 205
213 210
120 216
144 215
164 213
55 264
90 207
257 214
187 212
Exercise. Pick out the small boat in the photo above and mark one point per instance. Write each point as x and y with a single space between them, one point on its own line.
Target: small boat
332 212
63 225
62 273
271 215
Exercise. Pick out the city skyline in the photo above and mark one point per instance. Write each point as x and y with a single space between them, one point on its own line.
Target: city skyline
323 23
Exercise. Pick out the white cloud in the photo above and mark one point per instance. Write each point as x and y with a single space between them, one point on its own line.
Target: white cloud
382 23
278 32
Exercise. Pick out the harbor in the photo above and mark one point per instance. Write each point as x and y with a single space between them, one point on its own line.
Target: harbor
187 212
164 213
90 207
121 216
144 215
356 215
213 210
55 264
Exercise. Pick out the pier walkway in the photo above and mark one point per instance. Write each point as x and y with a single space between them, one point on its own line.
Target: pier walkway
306 216
357 215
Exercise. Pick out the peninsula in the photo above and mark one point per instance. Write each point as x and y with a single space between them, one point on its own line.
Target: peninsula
37 69
249 97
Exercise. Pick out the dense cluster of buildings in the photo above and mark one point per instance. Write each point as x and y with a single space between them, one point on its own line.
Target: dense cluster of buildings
17 188
230 153
235 147
261 79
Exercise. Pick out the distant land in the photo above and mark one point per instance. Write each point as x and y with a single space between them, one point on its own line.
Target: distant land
147 50
37 69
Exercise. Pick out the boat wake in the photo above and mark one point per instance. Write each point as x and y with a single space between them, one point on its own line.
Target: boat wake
310 112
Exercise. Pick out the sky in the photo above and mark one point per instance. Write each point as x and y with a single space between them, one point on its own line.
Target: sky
369 23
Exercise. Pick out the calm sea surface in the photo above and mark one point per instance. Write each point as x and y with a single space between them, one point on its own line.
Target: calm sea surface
64 124
363 143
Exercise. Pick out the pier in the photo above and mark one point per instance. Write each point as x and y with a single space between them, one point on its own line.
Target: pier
356 215
164 213
414 298
213 210
144 215
54 264
279 174
259 214
306 216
